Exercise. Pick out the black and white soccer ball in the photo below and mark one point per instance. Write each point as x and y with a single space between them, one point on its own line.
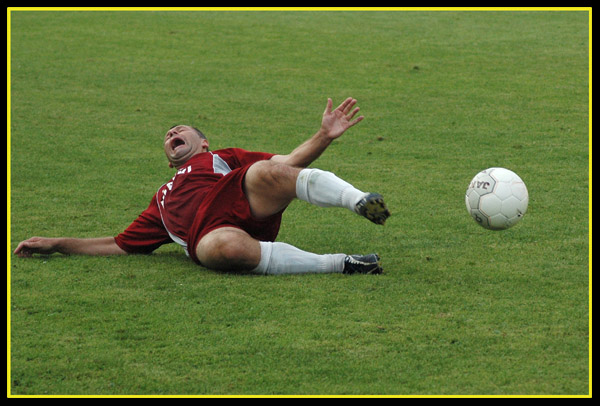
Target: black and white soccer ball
497 198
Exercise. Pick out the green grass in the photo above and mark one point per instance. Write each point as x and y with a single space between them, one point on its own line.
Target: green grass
460 310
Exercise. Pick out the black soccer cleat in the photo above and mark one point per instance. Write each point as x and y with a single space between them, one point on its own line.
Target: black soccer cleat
365 264
373 208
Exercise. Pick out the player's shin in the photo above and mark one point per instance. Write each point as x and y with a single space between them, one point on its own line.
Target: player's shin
279 258
325 189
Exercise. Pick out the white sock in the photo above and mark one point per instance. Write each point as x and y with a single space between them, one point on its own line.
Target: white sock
324 189
278 258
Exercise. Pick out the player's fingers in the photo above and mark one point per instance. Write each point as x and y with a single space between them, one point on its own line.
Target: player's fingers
350 103
342 107
328 107
356 121
351 116
23 250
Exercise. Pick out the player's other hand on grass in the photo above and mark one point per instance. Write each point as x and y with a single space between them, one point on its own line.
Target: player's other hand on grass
336 122
36 245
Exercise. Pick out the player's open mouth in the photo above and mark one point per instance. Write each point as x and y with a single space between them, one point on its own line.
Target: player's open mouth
177 142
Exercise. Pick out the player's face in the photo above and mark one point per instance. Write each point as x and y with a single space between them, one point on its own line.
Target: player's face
182 143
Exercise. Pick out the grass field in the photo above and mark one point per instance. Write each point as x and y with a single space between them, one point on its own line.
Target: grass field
459 311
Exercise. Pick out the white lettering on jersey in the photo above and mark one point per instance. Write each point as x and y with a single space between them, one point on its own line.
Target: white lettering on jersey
169 186
183 170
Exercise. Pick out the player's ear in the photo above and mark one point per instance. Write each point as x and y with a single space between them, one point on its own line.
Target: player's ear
170 165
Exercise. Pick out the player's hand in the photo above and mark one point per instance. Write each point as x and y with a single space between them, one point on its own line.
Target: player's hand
336 122
37 245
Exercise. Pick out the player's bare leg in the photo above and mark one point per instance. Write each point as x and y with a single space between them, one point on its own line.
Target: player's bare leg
228 249
270 187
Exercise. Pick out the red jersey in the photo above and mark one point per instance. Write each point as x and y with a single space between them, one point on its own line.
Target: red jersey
174 208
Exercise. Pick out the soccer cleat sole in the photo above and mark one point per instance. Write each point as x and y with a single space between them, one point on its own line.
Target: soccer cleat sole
373 208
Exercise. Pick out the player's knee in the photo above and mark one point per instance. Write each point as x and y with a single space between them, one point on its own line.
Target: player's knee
218 249
270 187
274 175
226 251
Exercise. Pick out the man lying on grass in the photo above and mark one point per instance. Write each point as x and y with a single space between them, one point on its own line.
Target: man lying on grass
224 207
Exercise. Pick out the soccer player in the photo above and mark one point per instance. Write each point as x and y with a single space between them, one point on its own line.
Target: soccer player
224 207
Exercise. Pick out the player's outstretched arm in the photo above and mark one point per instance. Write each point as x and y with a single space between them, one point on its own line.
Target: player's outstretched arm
334 124
68 246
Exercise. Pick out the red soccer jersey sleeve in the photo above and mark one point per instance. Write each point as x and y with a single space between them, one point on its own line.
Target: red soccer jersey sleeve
146 233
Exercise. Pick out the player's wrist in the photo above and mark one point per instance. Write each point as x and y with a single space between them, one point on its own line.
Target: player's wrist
324 136
59 245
